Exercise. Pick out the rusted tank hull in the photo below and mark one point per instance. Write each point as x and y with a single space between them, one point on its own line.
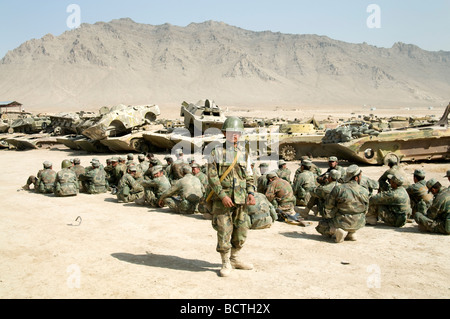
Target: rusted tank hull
29 143
128 143
430 143
91 146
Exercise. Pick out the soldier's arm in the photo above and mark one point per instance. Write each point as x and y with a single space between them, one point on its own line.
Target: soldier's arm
171 191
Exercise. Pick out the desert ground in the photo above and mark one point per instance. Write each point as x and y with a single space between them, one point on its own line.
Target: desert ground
92 247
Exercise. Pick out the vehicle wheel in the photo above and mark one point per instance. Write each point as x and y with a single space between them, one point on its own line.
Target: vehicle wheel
288 152
389 156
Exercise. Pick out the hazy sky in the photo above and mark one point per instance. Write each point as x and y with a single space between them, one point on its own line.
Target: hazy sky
423 23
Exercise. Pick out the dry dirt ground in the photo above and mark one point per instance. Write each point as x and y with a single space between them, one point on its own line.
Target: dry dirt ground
116 250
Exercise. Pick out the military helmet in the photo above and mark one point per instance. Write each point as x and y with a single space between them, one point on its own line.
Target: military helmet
333 159
47 164
66 164
130 157
233 124
76 161
306 163
156 169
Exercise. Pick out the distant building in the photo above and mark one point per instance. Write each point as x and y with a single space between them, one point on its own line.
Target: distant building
5 106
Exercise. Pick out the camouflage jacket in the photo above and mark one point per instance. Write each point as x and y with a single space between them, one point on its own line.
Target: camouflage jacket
395 170
305 183
204 180
143 167
262 184
239 182
418 192
66 183
347 205
158 185
440 208
189 187
46 181
280 191
395 200
262 214
78 169
285 174
95 180
129 181
176 170
369 184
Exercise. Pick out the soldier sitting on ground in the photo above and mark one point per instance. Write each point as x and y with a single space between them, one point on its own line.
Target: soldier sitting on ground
283 172
304 184
66 181
204 207
94 180
262 180
333 163
186 193
44 182
394 169
435 218
262 215
154 188
393 207
78 169
319 195
345 208
129 189
419 191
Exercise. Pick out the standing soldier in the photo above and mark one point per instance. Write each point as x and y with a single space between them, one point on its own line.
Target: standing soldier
231 181
436 218
189 190
345 208
419 191
392 206
78 169
44 182
94 180
129 189
154 188
304 184
284 172
66 182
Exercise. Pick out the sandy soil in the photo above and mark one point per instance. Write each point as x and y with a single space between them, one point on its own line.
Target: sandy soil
126 251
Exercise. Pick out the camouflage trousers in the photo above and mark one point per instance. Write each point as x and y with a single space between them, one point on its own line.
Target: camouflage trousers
129 198
66 189
428 225
389 218
348 222
182 206
231 225
150 199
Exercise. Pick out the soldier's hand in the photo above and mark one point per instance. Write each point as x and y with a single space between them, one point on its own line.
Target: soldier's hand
161 203
227 202
251 201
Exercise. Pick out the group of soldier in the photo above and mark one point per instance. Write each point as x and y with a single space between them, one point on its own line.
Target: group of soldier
235 196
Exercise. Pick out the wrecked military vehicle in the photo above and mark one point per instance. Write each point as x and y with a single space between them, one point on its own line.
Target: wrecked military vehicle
365 143
201 116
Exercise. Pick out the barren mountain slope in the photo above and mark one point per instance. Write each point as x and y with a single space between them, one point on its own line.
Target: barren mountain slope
126 62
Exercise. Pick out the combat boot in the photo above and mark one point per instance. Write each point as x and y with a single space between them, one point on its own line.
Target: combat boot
340 235
226 265
351 237
237 263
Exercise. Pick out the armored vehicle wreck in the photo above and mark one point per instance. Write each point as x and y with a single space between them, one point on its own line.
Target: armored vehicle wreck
30 124
362 142
201 116
120 120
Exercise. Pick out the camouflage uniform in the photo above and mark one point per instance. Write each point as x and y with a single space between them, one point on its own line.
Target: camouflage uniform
285 174
78 169
46 181
393 170
419 191
176 170
346 206
66 183
203 206
304 185
263 214
393 206
369 184
154 188
129 189
143 165
94 180
280 195
436 218
231 224
319 196
189 190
